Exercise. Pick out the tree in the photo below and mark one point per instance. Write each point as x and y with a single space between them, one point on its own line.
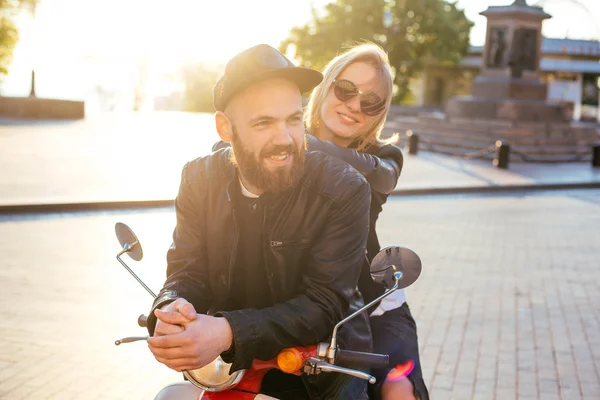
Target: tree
9 35
421 30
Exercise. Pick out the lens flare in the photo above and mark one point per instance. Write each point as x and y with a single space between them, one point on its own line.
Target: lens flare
401 371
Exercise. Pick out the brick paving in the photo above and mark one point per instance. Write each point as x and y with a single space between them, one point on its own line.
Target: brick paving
507 305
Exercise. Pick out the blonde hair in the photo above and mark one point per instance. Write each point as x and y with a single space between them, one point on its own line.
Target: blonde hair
373 55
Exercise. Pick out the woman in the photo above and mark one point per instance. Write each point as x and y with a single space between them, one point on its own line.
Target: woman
344 118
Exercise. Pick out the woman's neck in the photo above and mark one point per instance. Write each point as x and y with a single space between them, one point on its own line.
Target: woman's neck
324 133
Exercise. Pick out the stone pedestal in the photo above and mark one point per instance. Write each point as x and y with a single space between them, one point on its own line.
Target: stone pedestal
509 87
512 88
40 108
514 110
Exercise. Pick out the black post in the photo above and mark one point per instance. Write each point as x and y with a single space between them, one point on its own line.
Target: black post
502 153
413 142
596 155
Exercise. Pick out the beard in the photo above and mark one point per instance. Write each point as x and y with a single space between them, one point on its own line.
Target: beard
253 168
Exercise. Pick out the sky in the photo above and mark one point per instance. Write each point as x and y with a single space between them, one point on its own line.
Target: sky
79 42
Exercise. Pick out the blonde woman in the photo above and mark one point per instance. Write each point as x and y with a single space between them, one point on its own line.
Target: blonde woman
344 118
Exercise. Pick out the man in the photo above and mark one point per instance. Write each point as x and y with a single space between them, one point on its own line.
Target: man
269 239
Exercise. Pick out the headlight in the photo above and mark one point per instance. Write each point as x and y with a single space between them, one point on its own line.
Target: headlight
214 377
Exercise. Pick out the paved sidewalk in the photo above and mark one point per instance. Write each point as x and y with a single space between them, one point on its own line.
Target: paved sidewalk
506 306
133 157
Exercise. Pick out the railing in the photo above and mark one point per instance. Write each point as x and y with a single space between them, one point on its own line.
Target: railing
501 152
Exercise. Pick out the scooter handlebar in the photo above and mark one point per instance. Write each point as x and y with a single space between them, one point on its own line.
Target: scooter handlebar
143 321
349 359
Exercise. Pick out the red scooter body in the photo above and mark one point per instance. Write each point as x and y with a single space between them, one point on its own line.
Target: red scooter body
249 387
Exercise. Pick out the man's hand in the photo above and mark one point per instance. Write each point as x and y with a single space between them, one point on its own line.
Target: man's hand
174 317
203 340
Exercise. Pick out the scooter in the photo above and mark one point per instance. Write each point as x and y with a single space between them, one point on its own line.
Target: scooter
394 267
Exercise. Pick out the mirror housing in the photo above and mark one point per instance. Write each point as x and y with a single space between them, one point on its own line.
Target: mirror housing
129 241
396 262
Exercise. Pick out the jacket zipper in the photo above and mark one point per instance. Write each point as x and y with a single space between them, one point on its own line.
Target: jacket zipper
265 255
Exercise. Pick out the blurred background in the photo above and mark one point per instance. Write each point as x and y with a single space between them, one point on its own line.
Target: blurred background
151 55
103 101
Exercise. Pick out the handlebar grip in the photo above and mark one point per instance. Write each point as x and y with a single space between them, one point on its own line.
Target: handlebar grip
348 358
142 321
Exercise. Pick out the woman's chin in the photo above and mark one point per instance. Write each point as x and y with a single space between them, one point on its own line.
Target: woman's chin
344 135
343 132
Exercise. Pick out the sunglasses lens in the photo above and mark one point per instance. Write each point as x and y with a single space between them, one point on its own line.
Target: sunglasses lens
372 105
344 90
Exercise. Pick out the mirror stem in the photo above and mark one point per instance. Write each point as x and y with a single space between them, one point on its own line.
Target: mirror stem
333 345
125 250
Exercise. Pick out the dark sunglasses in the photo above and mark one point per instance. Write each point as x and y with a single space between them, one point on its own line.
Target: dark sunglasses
370 103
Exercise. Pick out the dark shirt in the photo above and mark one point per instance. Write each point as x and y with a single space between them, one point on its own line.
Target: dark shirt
250 287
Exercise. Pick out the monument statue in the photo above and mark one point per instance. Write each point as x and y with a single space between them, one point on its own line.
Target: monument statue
523 52
497 48
509 87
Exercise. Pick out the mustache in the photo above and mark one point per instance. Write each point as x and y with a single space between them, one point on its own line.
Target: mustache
277 150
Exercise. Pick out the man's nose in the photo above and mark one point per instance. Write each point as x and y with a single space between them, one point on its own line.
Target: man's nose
282 135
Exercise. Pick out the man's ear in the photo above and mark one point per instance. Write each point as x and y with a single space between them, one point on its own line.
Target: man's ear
224 126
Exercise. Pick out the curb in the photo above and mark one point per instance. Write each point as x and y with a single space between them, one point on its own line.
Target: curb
495 189
136 204
86 206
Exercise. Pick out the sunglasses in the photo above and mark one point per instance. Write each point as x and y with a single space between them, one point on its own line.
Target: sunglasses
370 103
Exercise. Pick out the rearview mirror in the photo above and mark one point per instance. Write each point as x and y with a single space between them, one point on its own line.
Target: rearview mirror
391 260
129 242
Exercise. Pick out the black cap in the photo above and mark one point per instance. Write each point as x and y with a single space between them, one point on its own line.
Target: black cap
257 64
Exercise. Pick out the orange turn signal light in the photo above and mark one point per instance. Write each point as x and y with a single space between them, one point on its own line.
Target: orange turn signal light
289 360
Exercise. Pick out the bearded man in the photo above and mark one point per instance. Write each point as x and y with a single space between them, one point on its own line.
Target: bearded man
269 240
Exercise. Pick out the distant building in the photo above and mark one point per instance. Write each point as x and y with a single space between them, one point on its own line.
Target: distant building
570 67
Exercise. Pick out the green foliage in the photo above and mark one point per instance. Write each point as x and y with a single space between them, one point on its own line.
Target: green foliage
421 30
9 35
8 40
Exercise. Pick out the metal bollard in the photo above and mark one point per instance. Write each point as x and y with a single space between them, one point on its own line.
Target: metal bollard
413 142
596 155
502 153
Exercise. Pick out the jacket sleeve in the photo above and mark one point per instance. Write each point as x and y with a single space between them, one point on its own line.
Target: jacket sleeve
329 281
187 271
382 170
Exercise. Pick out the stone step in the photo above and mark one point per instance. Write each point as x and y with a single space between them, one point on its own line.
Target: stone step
525 129
517 140
519 134
492 124
527 148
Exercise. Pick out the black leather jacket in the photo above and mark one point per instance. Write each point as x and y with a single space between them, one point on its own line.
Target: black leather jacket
314 245
381 166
